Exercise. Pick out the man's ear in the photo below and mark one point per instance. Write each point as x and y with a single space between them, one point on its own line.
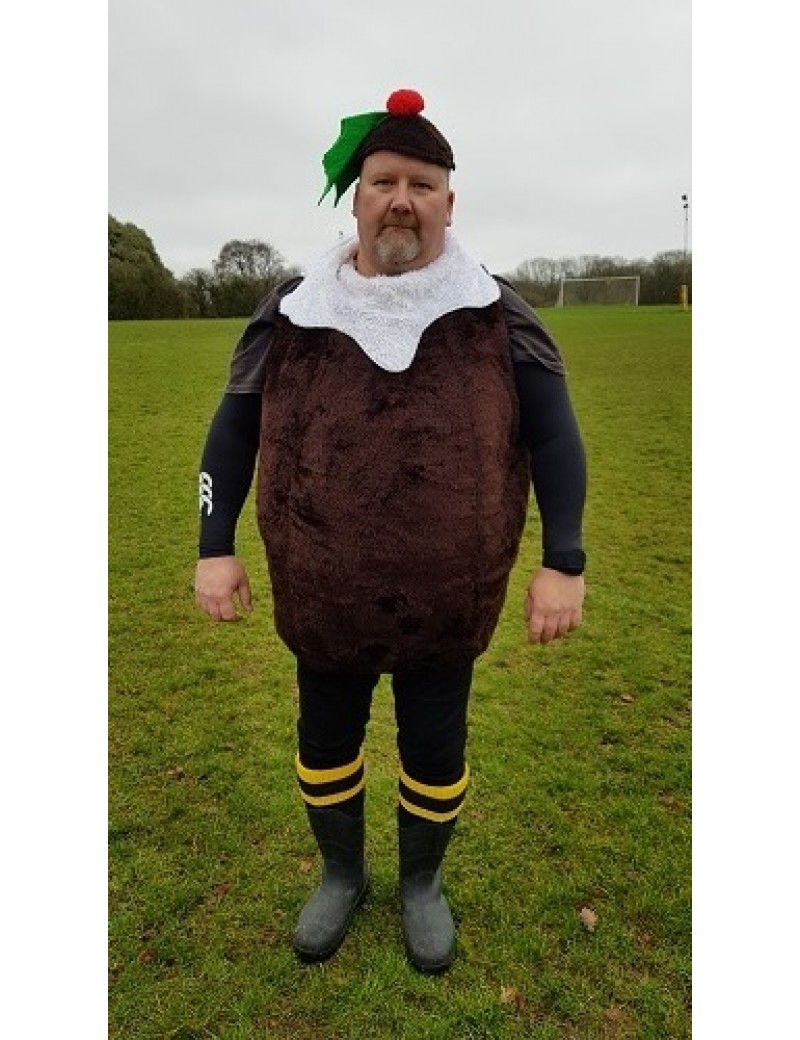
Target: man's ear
355 199
451 198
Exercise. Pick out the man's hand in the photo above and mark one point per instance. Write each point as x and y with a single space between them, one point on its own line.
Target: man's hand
216 581
554 604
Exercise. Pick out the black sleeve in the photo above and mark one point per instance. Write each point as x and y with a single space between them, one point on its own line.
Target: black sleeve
558 463
226 471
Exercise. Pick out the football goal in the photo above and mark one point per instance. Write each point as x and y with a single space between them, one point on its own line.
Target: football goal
619 289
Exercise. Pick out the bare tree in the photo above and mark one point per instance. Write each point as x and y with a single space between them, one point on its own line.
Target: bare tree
251 259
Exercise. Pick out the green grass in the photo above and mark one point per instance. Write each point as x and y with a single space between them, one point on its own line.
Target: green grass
580 750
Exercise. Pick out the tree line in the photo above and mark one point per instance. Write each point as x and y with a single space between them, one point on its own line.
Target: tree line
245 271
660 278
140 286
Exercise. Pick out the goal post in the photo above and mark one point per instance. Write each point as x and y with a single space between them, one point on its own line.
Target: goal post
620 289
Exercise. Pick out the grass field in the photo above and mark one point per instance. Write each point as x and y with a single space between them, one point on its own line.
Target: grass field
580 751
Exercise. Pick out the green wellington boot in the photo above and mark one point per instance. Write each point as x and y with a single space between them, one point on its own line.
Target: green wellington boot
428 927
324 919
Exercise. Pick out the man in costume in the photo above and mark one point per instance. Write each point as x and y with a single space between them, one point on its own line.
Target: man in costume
398 399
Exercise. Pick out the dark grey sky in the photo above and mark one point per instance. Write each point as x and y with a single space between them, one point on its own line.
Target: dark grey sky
570 120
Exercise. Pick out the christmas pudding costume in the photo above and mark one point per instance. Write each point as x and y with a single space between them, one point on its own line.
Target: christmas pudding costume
392 494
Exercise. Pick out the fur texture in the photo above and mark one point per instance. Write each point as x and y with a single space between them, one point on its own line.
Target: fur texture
391 504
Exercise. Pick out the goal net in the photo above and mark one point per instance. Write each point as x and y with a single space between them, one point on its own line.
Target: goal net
619 289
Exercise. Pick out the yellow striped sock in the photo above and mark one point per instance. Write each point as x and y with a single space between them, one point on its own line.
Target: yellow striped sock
321 787
438 803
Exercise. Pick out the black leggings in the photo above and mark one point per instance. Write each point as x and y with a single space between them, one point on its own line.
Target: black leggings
430 709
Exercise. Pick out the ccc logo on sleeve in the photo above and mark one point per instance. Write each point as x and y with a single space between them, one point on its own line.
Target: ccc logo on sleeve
205 493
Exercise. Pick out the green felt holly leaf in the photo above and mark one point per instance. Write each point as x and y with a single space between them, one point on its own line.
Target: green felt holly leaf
337 162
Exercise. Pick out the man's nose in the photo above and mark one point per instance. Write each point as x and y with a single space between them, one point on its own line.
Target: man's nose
401 201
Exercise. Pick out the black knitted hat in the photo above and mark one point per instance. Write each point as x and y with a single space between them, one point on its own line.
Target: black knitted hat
406 132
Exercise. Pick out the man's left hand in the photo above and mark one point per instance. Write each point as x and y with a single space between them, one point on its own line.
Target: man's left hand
554 604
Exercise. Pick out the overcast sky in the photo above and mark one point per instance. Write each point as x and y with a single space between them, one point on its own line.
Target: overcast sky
570 120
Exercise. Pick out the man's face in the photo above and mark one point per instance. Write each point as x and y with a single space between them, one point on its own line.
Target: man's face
402 207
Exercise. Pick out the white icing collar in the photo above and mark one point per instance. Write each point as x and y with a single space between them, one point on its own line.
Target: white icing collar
387 314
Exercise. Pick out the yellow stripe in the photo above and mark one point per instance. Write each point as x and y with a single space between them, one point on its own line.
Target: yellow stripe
327 776
333 799
427 814
436 792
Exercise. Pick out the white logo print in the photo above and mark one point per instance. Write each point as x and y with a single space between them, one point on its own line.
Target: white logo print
205 493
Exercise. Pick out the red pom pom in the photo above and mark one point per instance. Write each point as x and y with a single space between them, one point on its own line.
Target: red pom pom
405 103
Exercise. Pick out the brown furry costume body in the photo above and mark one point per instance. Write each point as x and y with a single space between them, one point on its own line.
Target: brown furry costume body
391 504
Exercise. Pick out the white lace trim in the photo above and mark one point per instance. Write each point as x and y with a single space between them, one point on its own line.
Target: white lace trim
387 314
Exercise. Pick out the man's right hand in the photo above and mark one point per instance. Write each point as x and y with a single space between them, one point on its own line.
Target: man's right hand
216 581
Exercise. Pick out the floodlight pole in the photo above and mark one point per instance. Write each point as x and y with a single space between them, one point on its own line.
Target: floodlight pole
684 298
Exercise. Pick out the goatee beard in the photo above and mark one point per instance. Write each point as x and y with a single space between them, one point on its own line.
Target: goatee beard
398 250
